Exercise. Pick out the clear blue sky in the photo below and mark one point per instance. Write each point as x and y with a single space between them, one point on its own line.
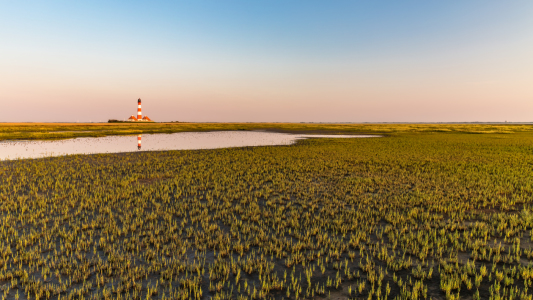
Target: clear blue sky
342 61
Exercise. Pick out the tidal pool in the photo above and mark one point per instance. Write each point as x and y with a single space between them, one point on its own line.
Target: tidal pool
20 149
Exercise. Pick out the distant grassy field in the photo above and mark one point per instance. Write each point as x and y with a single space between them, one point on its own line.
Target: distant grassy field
414 215
28 131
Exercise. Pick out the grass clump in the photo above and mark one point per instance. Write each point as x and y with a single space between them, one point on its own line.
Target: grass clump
412 216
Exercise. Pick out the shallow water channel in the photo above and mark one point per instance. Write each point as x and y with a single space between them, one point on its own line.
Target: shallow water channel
20 149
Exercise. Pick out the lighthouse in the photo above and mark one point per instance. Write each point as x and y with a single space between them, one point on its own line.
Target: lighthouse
139 113
139 142
139 117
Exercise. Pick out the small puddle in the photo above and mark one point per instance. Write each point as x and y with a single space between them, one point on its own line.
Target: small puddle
20 149
72 131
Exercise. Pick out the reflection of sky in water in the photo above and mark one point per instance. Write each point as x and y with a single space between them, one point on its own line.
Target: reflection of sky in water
152 142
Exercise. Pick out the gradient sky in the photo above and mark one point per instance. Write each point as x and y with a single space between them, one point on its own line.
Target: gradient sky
267 60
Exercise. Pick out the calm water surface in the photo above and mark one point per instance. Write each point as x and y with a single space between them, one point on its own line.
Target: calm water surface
152 142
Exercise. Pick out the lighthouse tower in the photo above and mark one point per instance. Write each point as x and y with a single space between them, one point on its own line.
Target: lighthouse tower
139 113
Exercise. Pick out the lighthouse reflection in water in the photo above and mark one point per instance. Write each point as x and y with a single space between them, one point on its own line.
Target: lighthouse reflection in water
139 142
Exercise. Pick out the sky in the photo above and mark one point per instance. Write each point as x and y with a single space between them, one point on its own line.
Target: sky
267 60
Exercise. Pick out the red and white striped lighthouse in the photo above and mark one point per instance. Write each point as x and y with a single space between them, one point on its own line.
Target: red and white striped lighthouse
139 142
139 113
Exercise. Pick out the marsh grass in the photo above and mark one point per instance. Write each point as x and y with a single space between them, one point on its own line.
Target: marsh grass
410 216
32 131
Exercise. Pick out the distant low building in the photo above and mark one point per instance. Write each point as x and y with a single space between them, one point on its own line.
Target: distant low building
144 119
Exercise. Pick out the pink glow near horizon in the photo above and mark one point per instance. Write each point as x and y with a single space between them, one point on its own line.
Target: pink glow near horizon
458 72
